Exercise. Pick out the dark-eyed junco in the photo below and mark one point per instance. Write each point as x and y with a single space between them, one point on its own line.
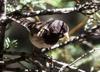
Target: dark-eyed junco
49 33
45 35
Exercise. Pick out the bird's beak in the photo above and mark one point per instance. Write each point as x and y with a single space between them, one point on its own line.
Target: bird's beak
65 39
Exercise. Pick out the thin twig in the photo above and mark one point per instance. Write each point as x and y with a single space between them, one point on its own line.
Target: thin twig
67 66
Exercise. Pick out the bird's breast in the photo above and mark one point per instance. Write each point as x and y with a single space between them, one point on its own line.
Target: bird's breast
38 42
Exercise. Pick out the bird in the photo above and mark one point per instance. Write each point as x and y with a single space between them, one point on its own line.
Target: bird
48 33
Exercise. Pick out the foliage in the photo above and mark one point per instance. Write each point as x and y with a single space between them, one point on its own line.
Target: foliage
68 53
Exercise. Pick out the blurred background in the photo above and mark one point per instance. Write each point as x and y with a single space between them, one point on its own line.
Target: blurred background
16 36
